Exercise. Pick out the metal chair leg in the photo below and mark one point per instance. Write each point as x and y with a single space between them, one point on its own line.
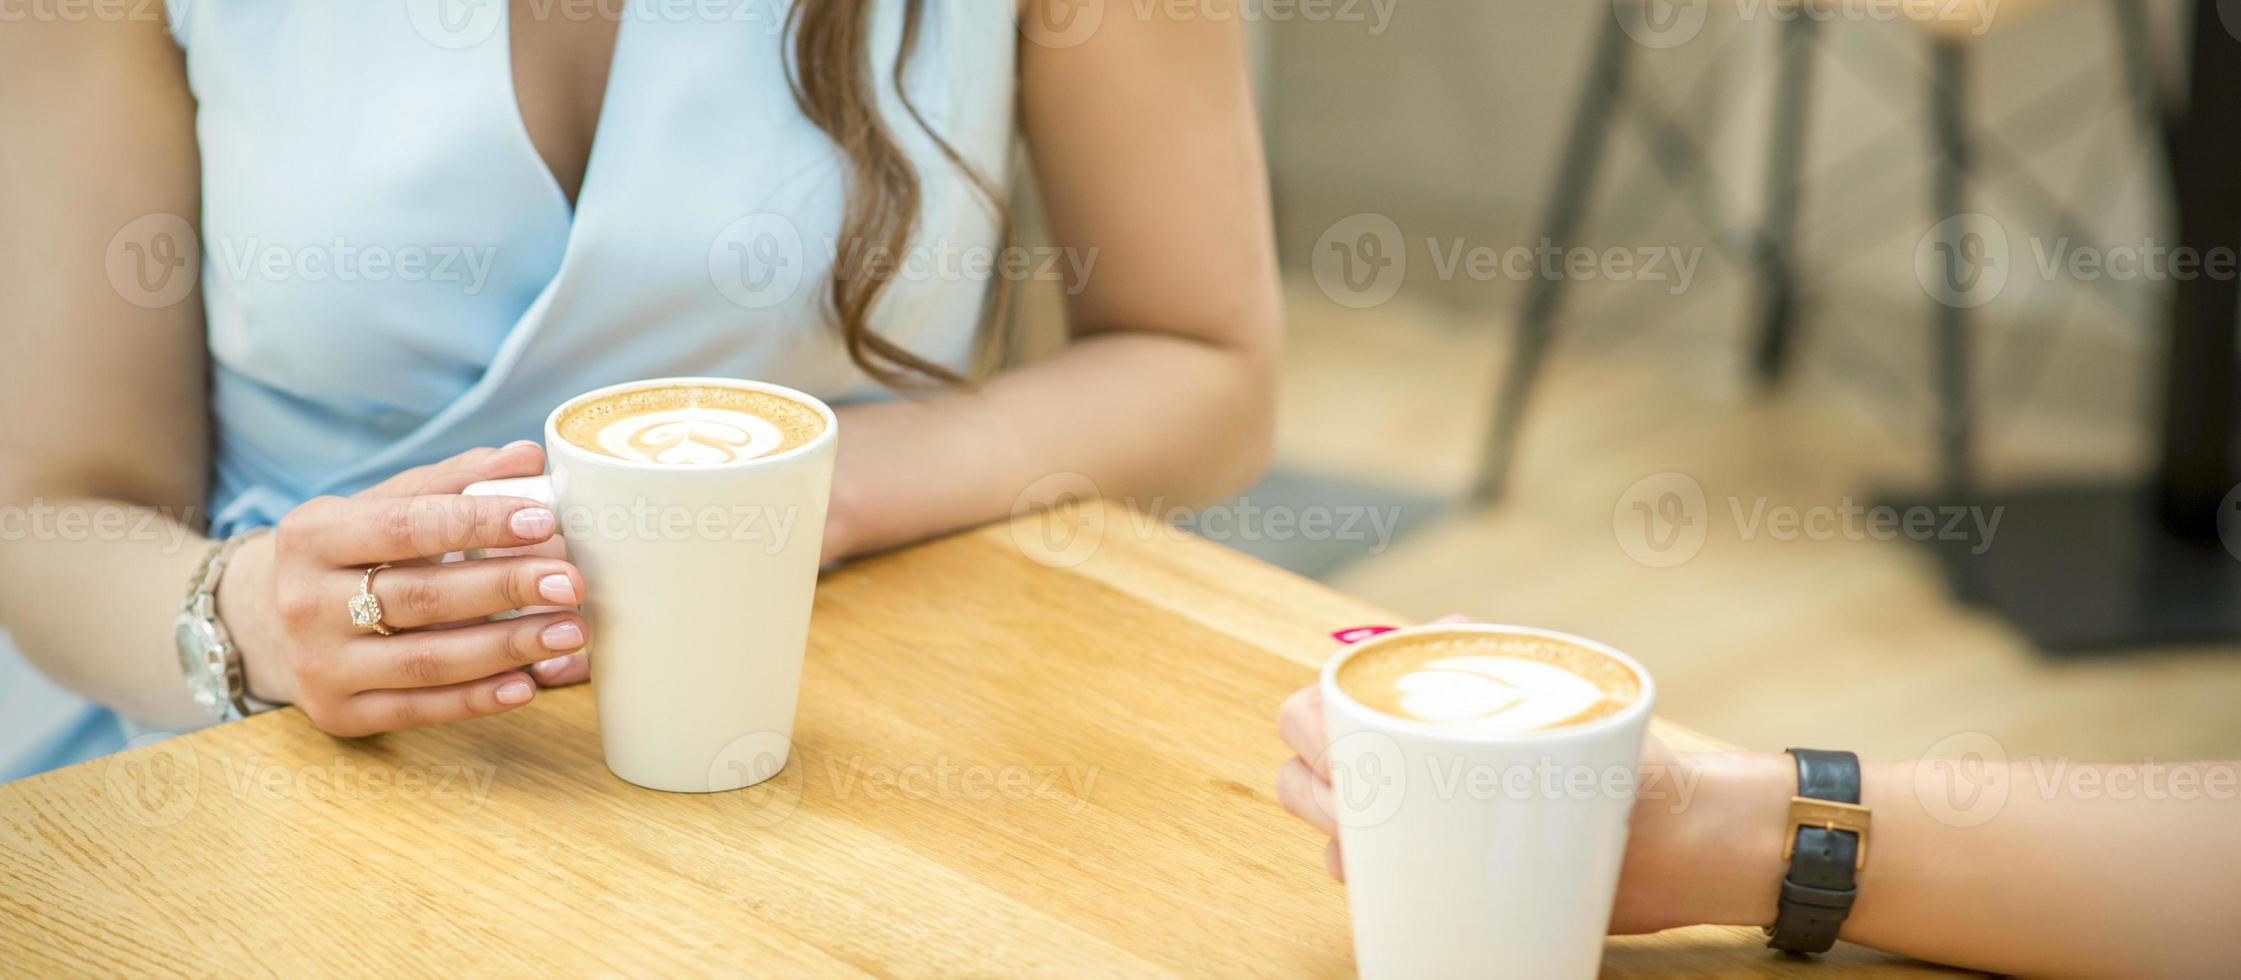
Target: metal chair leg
1599 99
2148 108
1949 180
1777 242
2197 464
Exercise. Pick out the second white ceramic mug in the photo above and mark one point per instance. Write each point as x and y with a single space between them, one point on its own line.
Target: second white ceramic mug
698 585
1475 855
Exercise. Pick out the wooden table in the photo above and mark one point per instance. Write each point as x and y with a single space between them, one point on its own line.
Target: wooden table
1011 758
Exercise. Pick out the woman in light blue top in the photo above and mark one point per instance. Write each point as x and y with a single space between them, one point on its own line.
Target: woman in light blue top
320 266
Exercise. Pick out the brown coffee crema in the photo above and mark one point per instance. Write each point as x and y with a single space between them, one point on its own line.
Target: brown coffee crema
691 425
1496 683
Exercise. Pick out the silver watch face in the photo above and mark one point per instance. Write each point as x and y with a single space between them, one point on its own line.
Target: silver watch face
202 663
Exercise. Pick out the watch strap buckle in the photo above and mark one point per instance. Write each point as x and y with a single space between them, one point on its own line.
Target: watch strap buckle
1829 815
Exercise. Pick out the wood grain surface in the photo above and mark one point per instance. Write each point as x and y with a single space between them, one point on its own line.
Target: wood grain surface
1041 748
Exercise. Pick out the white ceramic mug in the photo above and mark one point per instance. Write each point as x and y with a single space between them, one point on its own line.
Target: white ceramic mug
1462 858
698 584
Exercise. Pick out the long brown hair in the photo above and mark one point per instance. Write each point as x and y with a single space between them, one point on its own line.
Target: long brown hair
834 84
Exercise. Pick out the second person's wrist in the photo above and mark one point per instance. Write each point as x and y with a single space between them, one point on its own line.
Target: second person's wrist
1733 832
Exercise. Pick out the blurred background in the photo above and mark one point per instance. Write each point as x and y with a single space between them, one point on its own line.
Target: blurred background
1694 166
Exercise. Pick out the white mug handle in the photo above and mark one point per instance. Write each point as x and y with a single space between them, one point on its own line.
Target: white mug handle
537 488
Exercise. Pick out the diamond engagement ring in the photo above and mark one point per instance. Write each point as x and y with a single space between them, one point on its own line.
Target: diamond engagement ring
365 608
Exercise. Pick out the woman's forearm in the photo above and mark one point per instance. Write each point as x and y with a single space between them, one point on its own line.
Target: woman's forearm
1139 415
89 588
2040 868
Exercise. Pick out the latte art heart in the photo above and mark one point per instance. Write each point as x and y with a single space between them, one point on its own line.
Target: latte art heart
690 437
1495 693
690 425
1486 682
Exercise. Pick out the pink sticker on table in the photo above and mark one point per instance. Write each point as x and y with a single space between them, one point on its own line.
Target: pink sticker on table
1356 634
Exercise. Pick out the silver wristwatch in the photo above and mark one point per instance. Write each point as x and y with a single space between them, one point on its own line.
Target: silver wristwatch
206 652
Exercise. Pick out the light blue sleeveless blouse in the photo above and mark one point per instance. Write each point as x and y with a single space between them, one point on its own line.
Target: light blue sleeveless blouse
392 275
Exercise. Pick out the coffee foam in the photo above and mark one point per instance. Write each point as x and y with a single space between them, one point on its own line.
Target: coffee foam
1489 683
691 425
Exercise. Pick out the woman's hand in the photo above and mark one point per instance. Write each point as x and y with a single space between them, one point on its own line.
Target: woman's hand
1695 852
285 600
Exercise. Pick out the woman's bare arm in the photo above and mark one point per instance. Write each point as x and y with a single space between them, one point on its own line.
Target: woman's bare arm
1148 155
2041 868
103 406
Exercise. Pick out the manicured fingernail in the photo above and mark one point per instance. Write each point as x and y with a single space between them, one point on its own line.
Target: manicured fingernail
532 522
552 668
563 636
557 588
518 443
515 692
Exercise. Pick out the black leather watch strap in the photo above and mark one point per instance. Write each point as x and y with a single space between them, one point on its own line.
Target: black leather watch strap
1817 892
